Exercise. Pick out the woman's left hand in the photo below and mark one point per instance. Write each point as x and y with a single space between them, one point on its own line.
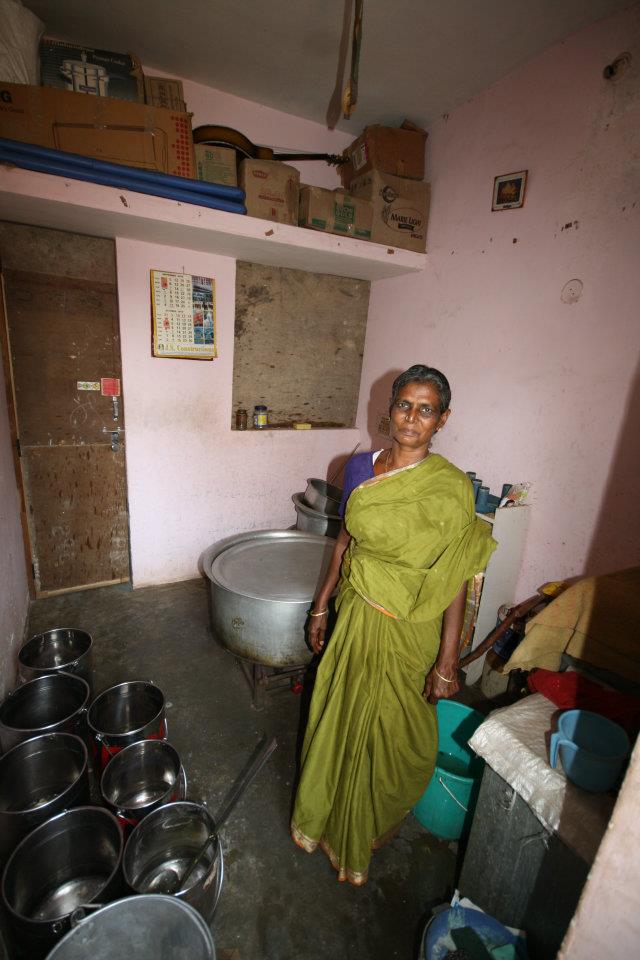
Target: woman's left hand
436 688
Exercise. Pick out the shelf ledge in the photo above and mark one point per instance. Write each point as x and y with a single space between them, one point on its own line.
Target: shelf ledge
46 200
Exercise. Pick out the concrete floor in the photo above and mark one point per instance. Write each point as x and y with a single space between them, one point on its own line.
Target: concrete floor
278 903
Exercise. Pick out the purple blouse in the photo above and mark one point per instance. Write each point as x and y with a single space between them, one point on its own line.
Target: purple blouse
357 470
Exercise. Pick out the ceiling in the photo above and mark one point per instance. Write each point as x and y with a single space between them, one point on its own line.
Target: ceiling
419 59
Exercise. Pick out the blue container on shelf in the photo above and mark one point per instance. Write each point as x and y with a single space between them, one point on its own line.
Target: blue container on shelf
447 805
592 749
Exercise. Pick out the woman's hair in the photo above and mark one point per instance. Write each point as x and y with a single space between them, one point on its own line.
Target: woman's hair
418 373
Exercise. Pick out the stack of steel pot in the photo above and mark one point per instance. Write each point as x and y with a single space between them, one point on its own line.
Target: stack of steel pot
59 854
317 508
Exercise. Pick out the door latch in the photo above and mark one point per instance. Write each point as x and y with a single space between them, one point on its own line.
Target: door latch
114 433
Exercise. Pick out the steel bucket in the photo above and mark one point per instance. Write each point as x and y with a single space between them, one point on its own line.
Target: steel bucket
166 841
54 703
124 714
139 928
72 859
63 649
314 521
39 778
142 777
322 496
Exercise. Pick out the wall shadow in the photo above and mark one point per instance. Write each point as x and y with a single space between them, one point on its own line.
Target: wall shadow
615 542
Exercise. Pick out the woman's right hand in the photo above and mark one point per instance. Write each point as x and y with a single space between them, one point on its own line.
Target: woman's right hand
317 630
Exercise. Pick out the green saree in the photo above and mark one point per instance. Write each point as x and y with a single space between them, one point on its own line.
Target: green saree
371 739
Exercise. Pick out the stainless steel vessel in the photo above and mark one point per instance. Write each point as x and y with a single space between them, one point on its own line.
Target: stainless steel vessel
39 778
163 845
72 859
139 928
314 521
124 714
54 703
262 585
322 496
64 648
140 778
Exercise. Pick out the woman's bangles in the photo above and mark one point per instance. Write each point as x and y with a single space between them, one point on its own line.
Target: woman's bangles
438 674
320 613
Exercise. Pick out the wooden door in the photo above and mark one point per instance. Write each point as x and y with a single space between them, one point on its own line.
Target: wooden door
62 339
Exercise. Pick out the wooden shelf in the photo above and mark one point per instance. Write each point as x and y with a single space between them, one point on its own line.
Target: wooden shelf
46 200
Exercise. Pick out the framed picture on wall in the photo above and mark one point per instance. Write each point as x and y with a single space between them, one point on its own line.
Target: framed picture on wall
508 190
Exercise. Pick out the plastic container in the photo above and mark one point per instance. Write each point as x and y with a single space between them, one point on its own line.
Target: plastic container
259 416
446 807
459 927
592 749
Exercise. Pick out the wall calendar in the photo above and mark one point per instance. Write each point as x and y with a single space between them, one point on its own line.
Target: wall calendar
183 310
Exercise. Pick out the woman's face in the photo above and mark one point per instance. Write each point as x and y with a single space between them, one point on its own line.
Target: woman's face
415 415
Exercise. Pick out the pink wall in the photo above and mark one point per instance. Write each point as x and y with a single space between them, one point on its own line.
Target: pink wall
14 592
542 390
191 479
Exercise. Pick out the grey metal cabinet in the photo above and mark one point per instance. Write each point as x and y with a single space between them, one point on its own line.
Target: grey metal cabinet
518 871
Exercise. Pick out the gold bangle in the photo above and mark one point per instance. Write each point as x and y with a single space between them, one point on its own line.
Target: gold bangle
321 613
446 680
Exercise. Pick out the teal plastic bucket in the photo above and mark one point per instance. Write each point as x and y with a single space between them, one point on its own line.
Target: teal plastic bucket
446 807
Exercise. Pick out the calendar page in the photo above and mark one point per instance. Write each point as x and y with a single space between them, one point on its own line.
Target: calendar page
184 316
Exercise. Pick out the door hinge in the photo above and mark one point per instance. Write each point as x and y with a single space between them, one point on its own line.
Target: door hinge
18 447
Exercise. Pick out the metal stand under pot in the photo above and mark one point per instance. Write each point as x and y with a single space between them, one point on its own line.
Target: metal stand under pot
262 586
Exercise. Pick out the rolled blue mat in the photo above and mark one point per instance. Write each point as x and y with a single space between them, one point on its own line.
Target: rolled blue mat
122 182
233 194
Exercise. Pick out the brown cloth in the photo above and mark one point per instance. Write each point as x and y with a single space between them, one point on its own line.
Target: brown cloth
596 620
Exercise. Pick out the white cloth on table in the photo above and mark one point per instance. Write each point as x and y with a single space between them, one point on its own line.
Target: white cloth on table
514 741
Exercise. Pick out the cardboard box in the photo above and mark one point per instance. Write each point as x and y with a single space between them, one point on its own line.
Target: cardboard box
113 130
216 164
160 92
335 211
396 150
67 66
271 190
400 209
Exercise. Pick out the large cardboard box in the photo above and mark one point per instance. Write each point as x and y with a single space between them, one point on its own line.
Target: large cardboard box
335 211
67 66
161 92
216 164
395 150
271 190
400 209
113 130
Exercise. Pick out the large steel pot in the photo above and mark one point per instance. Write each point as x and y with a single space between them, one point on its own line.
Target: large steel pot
149 927
39 778
143 776
124 714
164 844
262 585
314 521
63 649
72 859
322 496
54 703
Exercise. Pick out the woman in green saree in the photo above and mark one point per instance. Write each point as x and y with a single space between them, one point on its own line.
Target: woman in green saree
409 544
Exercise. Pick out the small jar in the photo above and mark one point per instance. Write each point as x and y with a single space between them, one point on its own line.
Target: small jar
241 419
259 416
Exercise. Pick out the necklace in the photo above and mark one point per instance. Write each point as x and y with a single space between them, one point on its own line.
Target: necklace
386 459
